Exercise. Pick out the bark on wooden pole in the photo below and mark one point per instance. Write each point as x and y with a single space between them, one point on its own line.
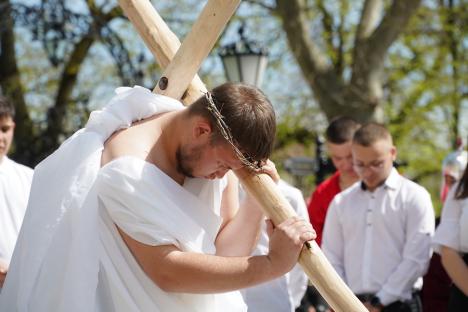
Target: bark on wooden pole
179 72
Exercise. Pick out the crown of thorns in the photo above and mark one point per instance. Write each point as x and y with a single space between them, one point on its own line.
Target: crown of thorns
226 133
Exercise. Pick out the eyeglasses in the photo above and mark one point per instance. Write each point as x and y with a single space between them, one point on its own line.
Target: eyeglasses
374 166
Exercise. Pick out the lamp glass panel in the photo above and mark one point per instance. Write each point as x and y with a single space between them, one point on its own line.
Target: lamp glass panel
231 68
261 70
249 67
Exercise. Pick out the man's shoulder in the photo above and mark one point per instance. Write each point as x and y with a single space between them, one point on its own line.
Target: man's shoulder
411 186
348 193
18 167
292 194
329 185
412 190
289 190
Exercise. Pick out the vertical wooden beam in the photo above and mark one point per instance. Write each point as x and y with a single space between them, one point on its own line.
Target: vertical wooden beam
160 40
196 47
184 66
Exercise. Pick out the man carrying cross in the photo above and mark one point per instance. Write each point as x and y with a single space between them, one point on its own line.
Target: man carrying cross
132 213
66 224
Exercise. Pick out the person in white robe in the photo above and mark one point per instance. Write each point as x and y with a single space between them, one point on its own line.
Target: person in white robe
131 213
282 294
15 182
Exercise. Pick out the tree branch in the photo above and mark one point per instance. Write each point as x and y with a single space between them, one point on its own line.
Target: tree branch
369 53
316 67
392 25
261 4
69 75
327 24
369 17
340 61
305 50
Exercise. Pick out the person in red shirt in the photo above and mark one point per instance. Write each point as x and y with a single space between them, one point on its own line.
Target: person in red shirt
339 135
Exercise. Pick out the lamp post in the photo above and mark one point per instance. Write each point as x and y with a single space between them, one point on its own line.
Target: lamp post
244 60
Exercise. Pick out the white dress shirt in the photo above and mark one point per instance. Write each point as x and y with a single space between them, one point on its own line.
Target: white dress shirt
453 228
379 242
282 294
15 183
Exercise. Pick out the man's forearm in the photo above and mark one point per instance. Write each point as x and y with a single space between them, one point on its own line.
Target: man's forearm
239 237
200 273
456 268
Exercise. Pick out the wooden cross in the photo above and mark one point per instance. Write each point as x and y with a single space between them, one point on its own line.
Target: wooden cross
180 81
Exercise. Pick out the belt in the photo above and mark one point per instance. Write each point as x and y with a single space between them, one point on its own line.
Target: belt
414 303
365 297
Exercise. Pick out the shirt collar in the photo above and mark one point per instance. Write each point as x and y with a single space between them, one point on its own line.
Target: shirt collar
392 181
3 164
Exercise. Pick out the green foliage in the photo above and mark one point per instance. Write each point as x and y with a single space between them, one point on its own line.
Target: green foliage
424 90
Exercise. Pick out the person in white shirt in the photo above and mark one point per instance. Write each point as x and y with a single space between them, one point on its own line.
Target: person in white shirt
15 183
451 241
284 293
378 232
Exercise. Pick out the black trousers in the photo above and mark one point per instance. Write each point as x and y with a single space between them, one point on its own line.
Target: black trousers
413 305
458 302
397 306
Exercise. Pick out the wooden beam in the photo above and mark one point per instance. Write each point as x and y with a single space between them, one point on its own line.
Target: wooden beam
160 40
184 66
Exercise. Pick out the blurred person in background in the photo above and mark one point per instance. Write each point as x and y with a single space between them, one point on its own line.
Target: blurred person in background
15 183
284 293
451 242
339 136
436 283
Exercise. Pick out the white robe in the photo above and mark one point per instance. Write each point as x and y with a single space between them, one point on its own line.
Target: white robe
15 183
69 256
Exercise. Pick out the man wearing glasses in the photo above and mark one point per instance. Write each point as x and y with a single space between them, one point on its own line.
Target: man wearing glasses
377 233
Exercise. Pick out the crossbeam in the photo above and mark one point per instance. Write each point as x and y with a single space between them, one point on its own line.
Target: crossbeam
181 66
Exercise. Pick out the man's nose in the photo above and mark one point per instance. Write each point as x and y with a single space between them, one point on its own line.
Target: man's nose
366 172
348 164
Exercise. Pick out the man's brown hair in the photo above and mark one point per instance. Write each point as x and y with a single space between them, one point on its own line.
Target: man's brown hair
341 130
6 108
370 133
247 112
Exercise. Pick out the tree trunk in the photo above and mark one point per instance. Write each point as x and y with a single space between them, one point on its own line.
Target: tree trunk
56 120
361 96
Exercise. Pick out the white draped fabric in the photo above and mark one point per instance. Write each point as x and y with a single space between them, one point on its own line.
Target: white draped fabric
453 228
69 255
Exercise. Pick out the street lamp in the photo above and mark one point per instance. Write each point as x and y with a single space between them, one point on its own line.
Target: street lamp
244 61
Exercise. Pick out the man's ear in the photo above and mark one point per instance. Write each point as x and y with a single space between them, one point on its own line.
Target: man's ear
201 128
394 153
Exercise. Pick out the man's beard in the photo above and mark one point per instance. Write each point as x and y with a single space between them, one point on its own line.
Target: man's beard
186 157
